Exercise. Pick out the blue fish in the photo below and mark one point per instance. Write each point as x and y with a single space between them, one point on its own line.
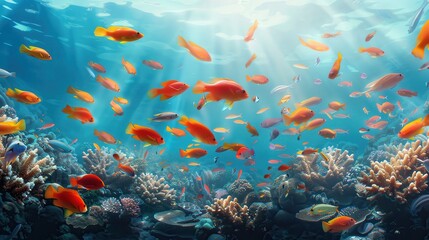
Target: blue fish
60 146
13 151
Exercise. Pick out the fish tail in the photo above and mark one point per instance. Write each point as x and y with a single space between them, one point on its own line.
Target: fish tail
100 32
182 42
248 78
168 128
50 192
96 132
129 129
153 93
199 87
23 49
10 93
99 79
13 74
361 49
68 110
326 227
343 106
426 120
73 181
71 90
184 120
21 125
182 153
418 52
287 120
302 41
340 56
378 107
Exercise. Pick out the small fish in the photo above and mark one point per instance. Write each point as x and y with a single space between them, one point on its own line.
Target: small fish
323 209
144 134
300 66
170 88
424 66
201 103
221 130
257 79
239 174
364 130
47 126
251 59
108 83
116 157
193 164
317 81
414 128
327 133
14 149
207 188
153 64
81 95
283 167
120 100
370 36
164 117
6 74
215 159
87 181
239 121
176 131
91 73
104 137
363 76
262 110
296 78
312 44
129 67
182 193
118 33
252 130
198 130
367 136
245 153
251 31
317 61
233 116
97 67
35 52
274 134
280 88
97 147
193 153
255 99
267 176
60 146
127 169
116 108
23 96
336 67
274 161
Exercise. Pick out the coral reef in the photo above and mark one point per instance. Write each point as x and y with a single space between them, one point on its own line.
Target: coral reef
239 189
154 191
398 178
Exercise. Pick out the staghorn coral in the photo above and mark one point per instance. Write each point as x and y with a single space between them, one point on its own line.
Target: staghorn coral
101 163
26 175
154 191
399 178
325 175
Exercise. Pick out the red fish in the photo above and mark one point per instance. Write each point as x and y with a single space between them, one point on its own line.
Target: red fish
198 130
127 169
171 88
207 189
79 113
87 181
68 199
97 67
222 88
239 174
283 167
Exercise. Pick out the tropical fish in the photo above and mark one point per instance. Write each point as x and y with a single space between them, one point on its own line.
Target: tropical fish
336 67
176 131
153 64
312 44
411 129
251 31
81 95
120 100
284 99
222 88
309 102
252 130
244 153
47 126
313 124
35 52
164 117
323 209
233 146
97 147
201 103
422 41
372 51
198 130
308 151
331 35
385 82
262 110
233 116
144 134
79 113
327 133
118 33
240 172
97 67
193 153
60 146
87 181
171 88
257 79
283 167
104 137
250 60
6 74
68 199
299 116
406 93
386 107
23 96
129 67
334 105
370 35
108 83
12 151
274 134
221 130
195 50
127 169
338 224
267 123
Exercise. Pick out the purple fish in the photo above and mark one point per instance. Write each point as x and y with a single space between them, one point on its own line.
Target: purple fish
317 81
363 76
317 61
274 134
267 123
424 66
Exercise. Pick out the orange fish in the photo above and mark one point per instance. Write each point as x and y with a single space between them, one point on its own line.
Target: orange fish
218 169
338 224
116 157
251 31
252 130
327 133
120 100
97 67
116 108
414 128
262 184
68 199
207 189
176 131
198 130
274 161
97 147
118 33
239 174
128 67
127 169
108 83
386 107
313 124
153 64
222 88
144 134
23 96
162 151
87 181
170 89
331 35
184 168
11 127
299 116
257 79
233 146
422 41
35 52
251 59
336 67
81 95
337 105
104 137
79 113
372 51
283 167
193 153
308 151
309 102
195 50
199 179
317 46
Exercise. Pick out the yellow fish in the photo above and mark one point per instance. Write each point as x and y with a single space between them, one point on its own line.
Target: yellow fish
221 130
35 52
194 164
11 127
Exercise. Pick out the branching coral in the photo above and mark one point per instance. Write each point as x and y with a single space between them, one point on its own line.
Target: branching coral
26 174
402 176
154 191
325 174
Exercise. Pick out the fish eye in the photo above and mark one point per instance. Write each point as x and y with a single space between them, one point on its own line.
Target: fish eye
162 139
244 91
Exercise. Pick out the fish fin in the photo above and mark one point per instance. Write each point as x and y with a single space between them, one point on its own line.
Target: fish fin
71 90
182 153
10 93
199 87
302 41
340 56
129 129
212 98
169 82
184 120
21 125
153 93
182 42
343 106
418 52
100 32
379 107
326 227
229 104
361 49
67 213
147 145
248 78
23 49
287 120
165 97
68 110
123 42
99 78
73 181
426 120
50 192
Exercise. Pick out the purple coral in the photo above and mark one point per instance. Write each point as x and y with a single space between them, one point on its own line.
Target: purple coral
131 207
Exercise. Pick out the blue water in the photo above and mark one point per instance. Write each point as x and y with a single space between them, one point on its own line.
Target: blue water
65 29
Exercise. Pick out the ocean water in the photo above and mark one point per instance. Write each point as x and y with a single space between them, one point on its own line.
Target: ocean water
65 29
